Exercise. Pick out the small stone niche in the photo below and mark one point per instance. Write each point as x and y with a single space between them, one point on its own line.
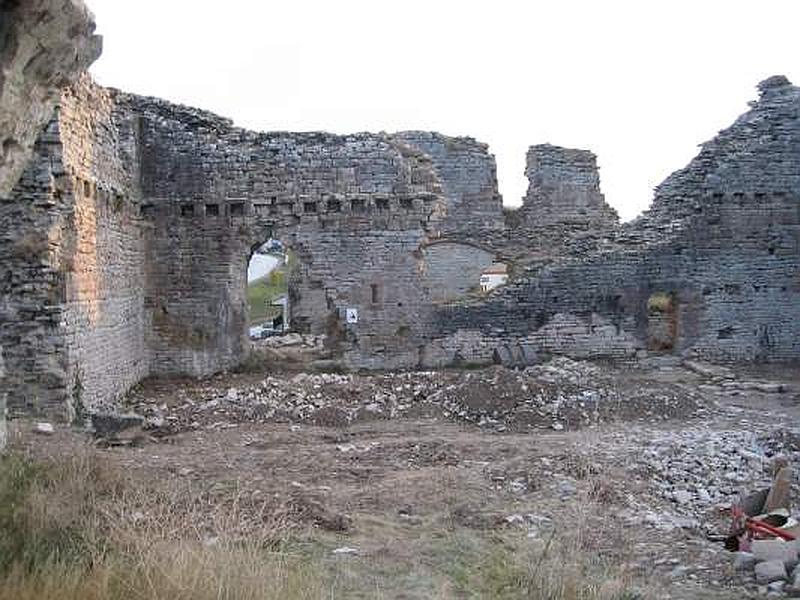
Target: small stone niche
237 209
662 322
187 210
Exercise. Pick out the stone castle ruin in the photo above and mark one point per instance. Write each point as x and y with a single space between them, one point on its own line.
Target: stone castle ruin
125 245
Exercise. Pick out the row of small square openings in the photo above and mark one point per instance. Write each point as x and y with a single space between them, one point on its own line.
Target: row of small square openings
357 205
236 209
190 210
743 195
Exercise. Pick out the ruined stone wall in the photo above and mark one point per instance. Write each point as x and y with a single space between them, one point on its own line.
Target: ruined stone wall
30 285
469 180
720 247
102 253
44 46
73 318
353 210
453 270
564 188
124 249
564 214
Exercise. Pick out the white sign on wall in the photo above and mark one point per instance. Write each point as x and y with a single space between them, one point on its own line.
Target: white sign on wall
351 315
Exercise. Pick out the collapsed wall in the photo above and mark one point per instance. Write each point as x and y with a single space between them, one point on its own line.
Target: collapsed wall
564 189
710 270
135 223
44 46
133 227
72 254
563 214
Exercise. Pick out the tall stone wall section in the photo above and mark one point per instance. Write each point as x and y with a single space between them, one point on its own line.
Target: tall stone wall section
102 253
720 248
563 214
353 209
31 287
73 317
469 181
44 46
564 189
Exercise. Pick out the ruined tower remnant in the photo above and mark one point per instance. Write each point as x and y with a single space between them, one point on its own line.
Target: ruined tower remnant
564 188
44 46
133 225
710 271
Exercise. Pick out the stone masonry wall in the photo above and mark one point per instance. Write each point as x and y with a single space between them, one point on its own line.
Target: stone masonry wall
721 246
564 188
73 317
102 253
469 180
353 209
133 227
453 270
44 46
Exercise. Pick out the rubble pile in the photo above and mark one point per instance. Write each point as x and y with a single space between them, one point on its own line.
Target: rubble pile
560 395
698 469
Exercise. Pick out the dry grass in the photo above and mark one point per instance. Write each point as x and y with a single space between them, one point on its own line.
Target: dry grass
560 569
72 529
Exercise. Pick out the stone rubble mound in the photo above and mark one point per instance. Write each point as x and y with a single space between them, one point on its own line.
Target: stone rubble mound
697 469
560 395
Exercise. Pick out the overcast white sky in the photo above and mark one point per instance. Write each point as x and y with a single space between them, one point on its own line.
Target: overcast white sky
640 83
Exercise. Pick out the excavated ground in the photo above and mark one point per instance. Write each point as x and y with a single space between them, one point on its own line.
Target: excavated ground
404 473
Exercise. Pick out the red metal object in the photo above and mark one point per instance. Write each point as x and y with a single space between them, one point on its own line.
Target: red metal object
758 527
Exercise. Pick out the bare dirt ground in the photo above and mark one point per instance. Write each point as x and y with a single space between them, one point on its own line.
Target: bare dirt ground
424 485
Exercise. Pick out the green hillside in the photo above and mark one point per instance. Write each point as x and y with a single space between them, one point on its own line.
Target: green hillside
262 292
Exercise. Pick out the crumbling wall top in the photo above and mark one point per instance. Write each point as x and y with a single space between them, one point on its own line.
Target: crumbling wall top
45 45
564 188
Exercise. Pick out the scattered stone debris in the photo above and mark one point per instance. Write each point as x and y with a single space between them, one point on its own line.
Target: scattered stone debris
561 395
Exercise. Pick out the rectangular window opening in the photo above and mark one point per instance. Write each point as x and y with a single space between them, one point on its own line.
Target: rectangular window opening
375 293
407 204
357 206
187 210
309 207
334 206
382 204
237 209
212 210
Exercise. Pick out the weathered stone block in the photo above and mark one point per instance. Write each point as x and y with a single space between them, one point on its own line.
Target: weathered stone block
769 571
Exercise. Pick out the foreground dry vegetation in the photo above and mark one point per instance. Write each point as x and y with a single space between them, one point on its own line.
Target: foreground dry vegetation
543 484
77 528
